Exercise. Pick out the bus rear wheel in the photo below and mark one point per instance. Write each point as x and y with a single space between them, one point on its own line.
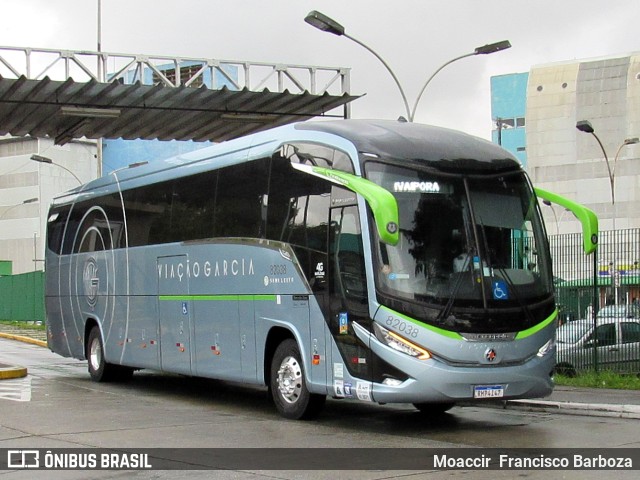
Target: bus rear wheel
99 369
288 386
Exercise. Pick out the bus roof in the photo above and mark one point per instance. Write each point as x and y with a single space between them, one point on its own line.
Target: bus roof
408 142
394 141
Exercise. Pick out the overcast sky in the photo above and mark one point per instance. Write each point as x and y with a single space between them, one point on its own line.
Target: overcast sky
414 36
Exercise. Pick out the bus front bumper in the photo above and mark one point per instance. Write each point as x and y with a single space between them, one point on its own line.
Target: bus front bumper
433 381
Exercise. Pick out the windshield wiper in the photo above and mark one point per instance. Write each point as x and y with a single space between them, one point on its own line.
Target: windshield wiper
505 276
444 313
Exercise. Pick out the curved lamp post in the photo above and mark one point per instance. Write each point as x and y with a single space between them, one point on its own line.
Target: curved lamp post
41 159
24 202
327 24
553 210
586 127
484 50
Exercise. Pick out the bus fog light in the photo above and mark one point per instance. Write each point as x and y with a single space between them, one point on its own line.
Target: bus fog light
395 341
547 348
392 382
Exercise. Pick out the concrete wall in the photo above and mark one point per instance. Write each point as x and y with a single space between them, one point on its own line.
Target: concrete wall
23 225
564 160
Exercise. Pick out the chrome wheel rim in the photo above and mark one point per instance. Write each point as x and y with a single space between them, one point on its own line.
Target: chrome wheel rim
290 380
95 354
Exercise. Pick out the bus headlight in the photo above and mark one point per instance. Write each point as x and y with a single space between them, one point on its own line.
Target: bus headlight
547 348
399 343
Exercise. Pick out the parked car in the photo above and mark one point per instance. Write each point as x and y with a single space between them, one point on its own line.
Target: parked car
619 311
615 341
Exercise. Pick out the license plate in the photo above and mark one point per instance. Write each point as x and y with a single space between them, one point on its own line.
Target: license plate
488 391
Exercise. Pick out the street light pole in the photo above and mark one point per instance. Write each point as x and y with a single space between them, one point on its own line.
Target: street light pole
553 210
327 24
484 50
41 159
24 202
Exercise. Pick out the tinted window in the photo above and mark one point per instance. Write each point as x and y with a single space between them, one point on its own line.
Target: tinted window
193 207
605 335
630 332
298 210
55 228
92 226
149 214
240 200
222 203
346 244
318 156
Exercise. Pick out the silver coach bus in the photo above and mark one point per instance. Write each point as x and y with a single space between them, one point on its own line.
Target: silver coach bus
379 261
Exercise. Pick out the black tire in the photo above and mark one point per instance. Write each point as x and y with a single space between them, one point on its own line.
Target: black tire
434 408
99 369
565 369
288 386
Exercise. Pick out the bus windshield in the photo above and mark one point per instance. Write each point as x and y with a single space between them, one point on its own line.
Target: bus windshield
465 240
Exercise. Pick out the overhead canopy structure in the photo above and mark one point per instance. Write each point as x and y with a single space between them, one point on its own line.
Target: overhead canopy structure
102 95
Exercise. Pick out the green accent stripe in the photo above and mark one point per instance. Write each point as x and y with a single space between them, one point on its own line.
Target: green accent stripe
456 336
536 328
219 298
439 331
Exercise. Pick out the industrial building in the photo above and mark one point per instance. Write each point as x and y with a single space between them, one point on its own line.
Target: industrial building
535 116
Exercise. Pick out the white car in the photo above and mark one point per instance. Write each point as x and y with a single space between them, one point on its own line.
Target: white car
614 344
619 311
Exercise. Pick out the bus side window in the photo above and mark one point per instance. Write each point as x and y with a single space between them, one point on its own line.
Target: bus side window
350 278
318 156
95 227
240 198
55 228
148 214
298 213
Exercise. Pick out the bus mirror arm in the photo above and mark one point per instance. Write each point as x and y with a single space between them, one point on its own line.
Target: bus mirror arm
383 205
381 201
587 217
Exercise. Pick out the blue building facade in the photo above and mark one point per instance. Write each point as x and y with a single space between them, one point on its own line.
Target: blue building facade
120 153
508 108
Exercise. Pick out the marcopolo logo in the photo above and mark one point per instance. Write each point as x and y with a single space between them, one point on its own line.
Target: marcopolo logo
91 281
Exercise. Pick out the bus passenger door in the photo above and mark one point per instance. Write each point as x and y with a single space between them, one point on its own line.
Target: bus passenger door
174 312
349 303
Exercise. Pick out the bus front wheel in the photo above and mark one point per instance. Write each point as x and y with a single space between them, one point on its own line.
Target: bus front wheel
288 386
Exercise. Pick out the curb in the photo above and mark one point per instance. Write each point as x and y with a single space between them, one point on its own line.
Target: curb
10 372
24 339
573 408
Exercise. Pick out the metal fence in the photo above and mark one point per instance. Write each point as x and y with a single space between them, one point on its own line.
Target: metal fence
22 297
598 299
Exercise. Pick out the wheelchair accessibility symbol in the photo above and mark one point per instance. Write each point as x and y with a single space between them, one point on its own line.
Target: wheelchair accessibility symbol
499 288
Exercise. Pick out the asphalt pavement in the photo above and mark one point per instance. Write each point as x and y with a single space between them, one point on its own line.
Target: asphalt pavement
564 400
